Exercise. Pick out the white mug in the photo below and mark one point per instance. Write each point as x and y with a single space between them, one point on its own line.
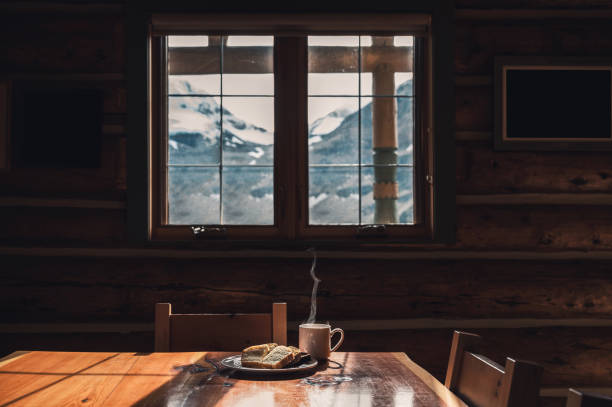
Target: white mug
315 339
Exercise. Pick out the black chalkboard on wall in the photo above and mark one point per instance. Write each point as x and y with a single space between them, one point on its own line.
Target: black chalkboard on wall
553 104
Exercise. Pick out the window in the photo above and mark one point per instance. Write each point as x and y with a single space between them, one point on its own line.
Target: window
300 127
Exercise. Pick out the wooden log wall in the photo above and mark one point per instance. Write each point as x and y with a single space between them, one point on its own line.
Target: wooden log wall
531 269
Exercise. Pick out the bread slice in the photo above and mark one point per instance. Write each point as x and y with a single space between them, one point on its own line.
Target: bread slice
278 358
254 355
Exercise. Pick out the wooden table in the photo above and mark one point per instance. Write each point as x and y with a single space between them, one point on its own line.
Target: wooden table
189 379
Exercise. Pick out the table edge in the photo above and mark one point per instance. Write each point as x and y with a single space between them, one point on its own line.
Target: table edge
438 388
13 356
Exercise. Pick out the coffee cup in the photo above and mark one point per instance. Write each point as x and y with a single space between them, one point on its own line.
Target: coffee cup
315 339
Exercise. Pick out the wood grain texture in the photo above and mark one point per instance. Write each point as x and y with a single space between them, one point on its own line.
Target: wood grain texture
537 227
478 43
462 342
489 172
162 327
125 290
536 199
474 108
570 356
48 43
219 331
161 379
189 332
279 323
479 381
438 388
484 382
65 378
12 357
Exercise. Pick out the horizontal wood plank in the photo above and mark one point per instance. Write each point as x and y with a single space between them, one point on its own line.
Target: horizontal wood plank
535 199
125 290
553 227
55 224
483 171
478 43
474 108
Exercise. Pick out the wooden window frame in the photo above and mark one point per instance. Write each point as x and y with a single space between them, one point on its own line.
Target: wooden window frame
291 175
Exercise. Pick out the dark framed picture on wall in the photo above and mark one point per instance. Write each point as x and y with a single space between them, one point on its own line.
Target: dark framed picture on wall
553 104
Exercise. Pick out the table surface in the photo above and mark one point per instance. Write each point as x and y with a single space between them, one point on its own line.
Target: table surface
191 379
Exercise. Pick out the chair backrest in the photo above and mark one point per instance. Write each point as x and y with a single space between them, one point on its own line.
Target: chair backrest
577 398
481 382
217 332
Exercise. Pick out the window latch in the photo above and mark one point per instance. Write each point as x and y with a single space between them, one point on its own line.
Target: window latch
208 232
372 231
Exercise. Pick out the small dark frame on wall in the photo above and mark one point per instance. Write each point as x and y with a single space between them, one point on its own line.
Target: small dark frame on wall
553 104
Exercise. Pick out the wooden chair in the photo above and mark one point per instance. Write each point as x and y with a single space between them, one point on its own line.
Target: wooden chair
217 332
481 382
577 398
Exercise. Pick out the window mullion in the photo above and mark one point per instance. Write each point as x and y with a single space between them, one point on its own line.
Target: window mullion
289 120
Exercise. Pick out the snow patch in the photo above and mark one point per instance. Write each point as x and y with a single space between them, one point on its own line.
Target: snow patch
258 153
314 139
314 200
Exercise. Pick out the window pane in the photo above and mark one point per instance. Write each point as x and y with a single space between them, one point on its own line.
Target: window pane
248 196
250 41
194 84
194 69
402 207
333 65
193 130
351 137
248 84
187 41
248 130
333 196
248 65
193 195
221 147
403 125
333 133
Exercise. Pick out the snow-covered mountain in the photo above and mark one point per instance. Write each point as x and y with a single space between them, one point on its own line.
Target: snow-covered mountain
194 130
194 127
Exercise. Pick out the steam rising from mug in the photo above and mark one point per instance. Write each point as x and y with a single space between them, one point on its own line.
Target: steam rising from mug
315 286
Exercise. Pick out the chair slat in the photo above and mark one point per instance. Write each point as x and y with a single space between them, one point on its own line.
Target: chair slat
479 380
217 332
483 383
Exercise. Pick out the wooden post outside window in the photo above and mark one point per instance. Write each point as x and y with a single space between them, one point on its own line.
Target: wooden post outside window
384 143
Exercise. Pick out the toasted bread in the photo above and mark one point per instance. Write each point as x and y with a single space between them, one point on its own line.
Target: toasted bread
254 355
278 358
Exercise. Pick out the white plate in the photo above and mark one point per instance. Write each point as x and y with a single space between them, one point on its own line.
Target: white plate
233 362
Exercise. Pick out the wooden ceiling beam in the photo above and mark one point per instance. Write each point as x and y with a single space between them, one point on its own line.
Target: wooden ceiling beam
258 60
